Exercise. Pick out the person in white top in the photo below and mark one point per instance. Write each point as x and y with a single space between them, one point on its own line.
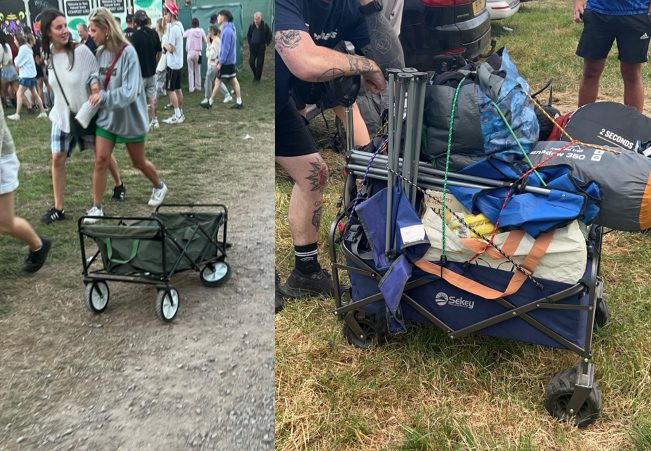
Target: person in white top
24 61
70 72
173 49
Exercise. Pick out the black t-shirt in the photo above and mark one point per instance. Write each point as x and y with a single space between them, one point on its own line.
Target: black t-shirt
327 22
128 32
147 44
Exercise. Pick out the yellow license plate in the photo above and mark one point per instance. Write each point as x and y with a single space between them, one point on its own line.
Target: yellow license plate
478 6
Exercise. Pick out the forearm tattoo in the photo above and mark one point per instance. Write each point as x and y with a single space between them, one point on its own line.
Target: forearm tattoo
316 214
357 65
384 48
287 39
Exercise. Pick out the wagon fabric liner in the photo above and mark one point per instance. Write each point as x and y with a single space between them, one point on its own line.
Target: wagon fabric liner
137 247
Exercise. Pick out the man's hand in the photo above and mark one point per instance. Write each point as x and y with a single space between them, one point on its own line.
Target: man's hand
375 81
364 2
579 9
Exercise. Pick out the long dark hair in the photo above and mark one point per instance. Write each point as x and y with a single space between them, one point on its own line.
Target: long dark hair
46 18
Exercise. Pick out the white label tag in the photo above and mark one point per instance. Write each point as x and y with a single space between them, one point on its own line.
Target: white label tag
412 233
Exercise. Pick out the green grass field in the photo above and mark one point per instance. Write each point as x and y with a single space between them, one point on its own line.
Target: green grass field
422 391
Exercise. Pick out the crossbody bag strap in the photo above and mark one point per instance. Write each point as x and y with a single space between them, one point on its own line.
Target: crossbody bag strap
59 83
110 69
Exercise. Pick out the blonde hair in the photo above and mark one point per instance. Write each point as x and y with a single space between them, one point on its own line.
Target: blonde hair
160 27
115 40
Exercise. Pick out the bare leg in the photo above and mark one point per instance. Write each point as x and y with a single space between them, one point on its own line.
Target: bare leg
153 104
310 175
58 178
179 96
14 226
137 155
360 132
589 87
103 150
215 88
19 98
37 99
236 86
115 171
173 99
633 87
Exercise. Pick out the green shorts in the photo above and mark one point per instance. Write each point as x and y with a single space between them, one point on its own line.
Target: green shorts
118 139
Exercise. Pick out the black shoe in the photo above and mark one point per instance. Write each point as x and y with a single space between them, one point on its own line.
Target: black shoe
53 215
119 192
279 296
300 285
237 106
35 259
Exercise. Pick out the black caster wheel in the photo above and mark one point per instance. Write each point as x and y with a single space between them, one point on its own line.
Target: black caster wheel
97 296
371 333
167 304
559 392
215 274
602 315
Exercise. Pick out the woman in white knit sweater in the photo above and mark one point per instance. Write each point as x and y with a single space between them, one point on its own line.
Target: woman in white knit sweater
70 72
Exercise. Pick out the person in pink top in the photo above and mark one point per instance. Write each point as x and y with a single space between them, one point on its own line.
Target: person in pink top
195 37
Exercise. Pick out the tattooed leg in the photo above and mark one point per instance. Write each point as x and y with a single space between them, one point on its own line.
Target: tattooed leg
310 175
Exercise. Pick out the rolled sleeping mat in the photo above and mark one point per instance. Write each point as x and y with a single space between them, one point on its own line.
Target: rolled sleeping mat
624 179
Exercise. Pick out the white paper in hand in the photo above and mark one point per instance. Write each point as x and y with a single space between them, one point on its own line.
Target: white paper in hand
86 113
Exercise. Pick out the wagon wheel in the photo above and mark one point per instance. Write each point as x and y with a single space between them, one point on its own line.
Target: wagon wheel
559 392
167 303
602 314
97 296
215 274
372 332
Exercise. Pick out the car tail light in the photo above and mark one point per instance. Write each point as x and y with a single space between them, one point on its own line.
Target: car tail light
457 51
446 2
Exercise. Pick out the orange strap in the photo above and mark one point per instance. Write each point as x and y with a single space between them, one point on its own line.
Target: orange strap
509 247
529 264
645 208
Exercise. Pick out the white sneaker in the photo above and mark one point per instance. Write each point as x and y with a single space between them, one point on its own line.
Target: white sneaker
93 211
228 99
204 102
181 119
43 115
172 120
154 123
157 196
14 117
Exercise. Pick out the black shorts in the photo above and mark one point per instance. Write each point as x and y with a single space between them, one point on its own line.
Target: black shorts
227 71
632 34
293 139
173 79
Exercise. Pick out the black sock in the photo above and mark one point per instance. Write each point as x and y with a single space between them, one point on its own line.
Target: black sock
305 259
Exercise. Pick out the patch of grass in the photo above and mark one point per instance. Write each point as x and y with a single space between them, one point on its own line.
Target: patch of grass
641 434
422 391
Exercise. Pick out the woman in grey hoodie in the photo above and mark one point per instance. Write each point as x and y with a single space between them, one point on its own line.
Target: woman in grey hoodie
122 116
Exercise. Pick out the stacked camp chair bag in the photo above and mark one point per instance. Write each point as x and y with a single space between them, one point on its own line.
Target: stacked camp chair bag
151 250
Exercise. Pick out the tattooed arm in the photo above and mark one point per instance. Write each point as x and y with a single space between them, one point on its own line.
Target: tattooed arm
313 63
